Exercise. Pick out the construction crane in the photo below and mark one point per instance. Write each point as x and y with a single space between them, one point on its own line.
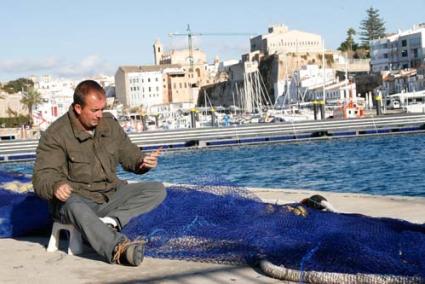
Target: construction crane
190 34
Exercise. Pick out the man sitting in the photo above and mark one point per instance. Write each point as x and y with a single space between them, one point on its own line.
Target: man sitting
75 170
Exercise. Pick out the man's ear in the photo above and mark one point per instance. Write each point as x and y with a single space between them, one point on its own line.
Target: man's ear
78 109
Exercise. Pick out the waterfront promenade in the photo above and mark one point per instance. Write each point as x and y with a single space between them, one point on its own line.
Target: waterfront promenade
25 260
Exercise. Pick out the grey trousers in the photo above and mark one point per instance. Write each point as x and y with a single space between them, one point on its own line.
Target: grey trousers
128 201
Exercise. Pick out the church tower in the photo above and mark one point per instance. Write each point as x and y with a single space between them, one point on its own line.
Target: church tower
157 52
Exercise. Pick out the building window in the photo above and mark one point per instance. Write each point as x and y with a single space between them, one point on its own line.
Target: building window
149 90
149 79
404 42
415 53
404 53
385 55
415 41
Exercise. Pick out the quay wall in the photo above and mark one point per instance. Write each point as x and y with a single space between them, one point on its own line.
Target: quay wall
21 150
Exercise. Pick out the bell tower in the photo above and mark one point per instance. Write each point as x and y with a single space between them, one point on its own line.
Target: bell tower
157 52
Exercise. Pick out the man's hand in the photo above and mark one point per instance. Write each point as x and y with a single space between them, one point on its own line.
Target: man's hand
150 161
63 192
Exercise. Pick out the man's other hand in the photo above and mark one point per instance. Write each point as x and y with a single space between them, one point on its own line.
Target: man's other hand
63 192
150 161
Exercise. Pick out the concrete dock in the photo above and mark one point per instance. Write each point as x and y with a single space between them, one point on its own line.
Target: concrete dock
25 260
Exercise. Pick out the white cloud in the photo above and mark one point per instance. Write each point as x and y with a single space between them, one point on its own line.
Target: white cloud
27 65
60 67
88 66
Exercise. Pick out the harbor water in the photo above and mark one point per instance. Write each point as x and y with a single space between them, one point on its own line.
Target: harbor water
381 165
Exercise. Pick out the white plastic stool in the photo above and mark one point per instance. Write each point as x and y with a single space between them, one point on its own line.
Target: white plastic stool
75 241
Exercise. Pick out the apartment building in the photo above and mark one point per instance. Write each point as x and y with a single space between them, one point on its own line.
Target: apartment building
150 85
402 81
399 51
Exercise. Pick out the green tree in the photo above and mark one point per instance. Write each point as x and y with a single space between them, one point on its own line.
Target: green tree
349 45
21 84
373 27
30 99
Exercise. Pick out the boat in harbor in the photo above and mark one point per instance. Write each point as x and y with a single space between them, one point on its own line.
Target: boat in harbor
289 114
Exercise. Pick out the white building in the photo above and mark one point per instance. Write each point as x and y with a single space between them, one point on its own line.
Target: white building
104 80
281 40
401 81
308 83
57 95
145 88
336 92
47 85
149 85
399 51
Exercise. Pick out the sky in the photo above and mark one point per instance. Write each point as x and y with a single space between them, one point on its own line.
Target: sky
81 38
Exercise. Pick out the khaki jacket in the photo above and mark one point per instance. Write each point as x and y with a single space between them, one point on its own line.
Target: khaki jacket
68 154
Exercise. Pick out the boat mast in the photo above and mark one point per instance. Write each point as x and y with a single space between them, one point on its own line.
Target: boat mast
324 73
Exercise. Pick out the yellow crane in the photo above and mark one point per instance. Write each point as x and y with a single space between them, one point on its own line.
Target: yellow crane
190 34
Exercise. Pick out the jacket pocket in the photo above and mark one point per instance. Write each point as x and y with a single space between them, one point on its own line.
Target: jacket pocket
79 167
112 153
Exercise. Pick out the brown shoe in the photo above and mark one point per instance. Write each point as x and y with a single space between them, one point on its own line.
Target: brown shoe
129 252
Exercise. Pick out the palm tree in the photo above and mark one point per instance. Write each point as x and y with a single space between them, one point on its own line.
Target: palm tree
30 99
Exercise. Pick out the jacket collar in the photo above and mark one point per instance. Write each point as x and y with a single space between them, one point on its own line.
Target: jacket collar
102 128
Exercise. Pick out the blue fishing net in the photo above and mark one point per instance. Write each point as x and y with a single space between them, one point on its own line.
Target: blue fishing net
20 213
227 224
222 223
6 177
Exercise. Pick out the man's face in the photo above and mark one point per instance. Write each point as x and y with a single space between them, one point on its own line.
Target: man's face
90 114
